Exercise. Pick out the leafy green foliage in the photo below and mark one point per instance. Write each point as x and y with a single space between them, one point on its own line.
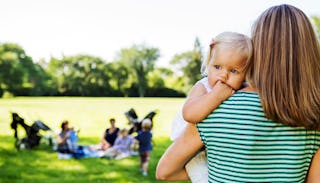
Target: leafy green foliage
190 64
80 75
132 74
141 60
119 77
316 21
18 74
12 72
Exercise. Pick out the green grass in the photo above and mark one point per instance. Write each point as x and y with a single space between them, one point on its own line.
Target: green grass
91 116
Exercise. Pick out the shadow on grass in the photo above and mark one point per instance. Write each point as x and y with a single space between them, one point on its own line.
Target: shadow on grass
42 165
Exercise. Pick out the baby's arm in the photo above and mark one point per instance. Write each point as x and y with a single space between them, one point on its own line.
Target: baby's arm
199 103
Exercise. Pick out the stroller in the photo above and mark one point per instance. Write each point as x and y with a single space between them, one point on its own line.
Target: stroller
135 122
33 137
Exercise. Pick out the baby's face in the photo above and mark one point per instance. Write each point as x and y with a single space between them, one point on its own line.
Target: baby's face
226 65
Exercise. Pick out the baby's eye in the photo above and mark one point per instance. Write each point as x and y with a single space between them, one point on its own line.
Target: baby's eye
234 71
217 67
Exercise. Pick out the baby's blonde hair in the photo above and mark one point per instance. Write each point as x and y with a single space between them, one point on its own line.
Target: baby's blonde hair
238 42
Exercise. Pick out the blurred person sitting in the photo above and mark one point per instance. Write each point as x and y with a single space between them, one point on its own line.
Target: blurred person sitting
67 139
108 137
121 147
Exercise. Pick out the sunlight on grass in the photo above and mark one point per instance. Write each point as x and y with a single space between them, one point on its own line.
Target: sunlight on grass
127 161
7 145
34 175
108 175
67 165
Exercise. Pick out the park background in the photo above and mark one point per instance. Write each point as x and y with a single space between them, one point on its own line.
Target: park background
90 115
87 61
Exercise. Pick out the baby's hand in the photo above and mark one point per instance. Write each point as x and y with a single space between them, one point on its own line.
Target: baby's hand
222 90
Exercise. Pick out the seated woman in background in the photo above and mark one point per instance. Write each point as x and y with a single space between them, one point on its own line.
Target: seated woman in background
110 135
67 139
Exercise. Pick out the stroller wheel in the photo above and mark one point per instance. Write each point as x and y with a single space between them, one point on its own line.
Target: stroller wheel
22 146
19 145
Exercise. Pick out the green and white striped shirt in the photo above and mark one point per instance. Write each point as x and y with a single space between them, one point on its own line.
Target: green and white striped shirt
243 146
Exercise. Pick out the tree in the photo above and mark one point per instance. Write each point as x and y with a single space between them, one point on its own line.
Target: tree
18 73
156 78
40 84
82 75
119 77
140 60
190 64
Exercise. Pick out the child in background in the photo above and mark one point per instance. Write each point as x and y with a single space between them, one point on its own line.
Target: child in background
225 69
144 139
73 139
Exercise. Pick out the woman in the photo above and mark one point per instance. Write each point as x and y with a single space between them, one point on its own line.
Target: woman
266 132
62 138
109 135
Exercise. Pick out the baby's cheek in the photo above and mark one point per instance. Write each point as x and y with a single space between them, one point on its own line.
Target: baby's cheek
212 81
237 83
237 86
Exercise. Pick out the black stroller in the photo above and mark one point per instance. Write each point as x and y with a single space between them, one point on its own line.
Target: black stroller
33 137
135 122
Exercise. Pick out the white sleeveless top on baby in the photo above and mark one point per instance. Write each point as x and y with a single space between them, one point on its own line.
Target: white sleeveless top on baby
179 123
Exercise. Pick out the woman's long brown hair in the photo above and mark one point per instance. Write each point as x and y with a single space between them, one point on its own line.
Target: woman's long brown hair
286 66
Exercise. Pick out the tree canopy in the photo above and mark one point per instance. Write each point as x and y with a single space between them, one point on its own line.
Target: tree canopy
133 73
141 59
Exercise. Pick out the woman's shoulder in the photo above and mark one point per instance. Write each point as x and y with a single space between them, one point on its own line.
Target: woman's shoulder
244 98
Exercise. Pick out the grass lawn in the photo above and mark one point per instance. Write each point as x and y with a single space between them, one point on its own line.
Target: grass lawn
91 116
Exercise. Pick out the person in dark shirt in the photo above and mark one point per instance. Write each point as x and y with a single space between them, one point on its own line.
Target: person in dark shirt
109 135
144 139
